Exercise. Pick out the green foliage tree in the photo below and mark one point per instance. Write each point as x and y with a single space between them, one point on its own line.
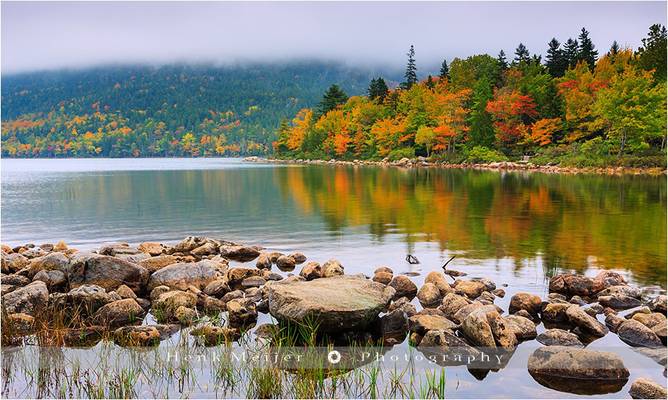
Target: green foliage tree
482 129
652 53
633 110
425 136
465 73
410 77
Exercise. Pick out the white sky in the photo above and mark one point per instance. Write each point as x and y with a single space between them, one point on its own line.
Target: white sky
57 34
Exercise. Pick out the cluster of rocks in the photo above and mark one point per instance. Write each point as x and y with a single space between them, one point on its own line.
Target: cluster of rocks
423 162
87 295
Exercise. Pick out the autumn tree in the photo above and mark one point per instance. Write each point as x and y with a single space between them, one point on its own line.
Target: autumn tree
426 137
513 113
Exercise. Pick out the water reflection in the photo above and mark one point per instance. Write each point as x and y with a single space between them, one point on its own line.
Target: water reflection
571 222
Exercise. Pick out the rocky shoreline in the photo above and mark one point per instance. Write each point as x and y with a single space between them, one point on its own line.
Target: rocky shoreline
422 162
65 297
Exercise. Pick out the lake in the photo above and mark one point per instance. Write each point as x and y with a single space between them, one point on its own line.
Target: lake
514 228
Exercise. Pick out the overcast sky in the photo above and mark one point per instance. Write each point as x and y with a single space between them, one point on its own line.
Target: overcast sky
55 35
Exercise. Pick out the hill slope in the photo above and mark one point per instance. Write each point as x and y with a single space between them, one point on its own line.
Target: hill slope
172 110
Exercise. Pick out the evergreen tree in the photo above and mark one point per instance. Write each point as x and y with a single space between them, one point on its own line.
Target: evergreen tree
411 70
430 82
614 49
586 50
501 59
521 55
378 89
445 71
652 53
555 60
480 121
332 98
571 53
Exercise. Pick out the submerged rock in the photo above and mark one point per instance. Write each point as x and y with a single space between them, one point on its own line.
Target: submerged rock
619 302
523 327
578 371
634 333
394 326
559 337
130 336
337 304
424 323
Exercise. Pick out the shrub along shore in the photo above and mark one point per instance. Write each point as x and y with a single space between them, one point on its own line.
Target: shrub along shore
422 162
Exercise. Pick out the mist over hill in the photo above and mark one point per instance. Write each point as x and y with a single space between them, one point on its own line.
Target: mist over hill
171 110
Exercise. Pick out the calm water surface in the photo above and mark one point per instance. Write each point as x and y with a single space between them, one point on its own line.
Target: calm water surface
513 228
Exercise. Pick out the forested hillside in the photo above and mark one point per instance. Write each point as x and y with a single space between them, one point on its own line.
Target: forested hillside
175 110
579 106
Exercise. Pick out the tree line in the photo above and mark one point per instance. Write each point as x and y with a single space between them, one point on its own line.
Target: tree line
575 107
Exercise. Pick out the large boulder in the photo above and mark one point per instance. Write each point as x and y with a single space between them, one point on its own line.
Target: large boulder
181 276
337 304
484 327
107 272
134 336
619 302
82 301
438 279
30 299
452 303
605 279
658 304
55 280
13 262
576 370
555 312
166 304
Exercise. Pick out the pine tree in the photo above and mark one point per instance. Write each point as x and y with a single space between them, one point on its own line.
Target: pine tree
586 50
555 60
445 71
652 53
521 55
332 98
571 53
411 70
430 82
614 49
501 59
378 89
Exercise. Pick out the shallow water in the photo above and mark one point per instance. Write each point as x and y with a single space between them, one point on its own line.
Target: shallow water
514 228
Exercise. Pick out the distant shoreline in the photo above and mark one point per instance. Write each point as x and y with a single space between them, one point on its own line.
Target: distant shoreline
496 166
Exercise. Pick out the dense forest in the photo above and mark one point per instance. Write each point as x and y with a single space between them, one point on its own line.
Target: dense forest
574 107
175 110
